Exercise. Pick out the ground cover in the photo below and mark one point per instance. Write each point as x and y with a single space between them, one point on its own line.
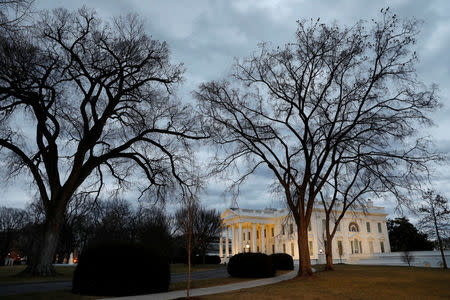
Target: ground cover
355 282
8 275
183 268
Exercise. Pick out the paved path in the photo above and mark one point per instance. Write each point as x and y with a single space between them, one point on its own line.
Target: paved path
31 287
214 289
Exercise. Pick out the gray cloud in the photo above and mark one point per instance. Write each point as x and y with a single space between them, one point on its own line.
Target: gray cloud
207 35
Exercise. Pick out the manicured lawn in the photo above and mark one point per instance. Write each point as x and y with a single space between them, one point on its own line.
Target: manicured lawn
8 275
356 282
183 268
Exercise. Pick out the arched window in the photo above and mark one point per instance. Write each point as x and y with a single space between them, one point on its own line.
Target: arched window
353 227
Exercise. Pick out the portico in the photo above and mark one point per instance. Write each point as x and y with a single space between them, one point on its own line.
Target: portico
249 231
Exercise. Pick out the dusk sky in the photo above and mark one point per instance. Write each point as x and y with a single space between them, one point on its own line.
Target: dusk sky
207 35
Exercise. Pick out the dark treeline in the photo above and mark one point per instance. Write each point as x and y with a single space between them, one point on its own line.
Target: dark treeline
100 221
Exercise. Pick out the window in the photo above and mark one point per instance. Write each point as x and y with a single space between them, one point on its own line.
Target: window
382 247
291 228
370 246
353 227
292 249
284 248
309 226
338 227
257 248
340 248
265 232
355 246
272 231
379 227
311 248
360 247
282 229
243 234
249 235
368 226
324 224
273 248
257 234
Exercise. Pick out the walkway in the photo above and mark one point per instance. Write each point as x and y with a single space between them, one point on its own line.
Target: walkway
215 289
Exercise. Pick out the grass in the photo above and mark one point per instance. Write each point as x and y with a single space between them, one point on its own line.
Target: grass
355 282
183 268
8 275
173 287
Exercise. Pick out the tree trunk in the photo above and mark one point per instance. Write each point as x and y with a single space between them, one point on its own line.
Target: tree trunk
329 253
303 251
41 261
444 262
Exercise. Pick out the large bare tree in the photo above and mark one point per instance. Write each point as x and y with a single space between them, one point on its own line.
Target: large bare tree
299 109
85 102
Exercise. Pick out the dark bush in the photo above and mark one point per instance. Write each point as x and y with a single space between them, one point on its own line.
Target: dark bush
120 269
251 265
282 261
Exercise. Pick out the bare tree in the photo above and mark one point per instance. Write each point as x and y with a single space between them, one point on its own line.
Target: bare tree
93 101
296 109
12 220
435 218
13 12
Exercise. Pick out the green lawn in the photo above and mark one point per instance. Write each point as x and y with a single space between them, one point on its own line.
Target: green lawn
355 282
9 275
183 268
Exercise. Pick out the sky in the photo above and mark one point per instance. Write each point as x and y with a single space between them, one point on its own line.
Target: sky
208 35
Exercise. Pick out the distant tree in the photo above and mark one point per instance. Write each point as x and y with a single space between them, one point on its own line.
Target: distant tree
12 222
404 236
151 226
206 229
97 97
435 219
408 257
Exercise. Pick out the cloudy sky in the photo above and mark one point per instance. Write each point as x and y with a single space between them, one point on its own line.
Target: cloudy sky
207 35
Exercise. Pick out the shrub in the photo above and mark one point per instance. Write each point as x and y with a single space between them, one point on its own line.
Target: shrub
110 269
252 265
282 261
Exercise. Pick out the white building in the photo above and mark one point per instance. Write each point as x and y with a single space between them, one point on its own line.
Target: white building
359 235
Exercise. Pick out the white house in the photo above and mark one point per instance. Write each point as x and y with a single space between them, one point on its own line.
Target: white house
361 233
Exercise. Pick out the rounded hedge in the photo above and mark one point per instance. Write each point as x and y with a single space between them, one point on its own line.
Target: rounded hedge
282 261
120 269
251 265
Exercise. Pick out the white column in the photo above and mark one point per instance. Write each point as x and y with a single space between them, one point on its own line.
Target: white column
233 241
227 254
254 238
240 238
220 245
263 240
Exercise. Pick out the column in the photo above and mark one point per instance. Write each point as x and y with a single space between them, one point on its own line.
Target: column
220 245
227 254
240 238
263 240
233 241
254 238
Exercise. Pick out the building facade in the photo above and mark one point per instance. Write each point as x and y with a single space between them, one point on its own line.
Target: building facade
360 234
